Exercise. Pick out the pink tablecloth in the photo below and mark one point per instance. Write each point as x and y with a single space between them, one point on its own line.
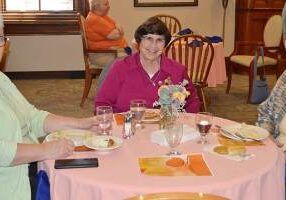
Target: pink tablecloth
118 175
217 73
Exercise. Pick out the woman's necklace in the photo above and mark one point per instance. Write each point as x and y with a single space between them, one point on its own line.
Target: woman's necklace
155 78
154 65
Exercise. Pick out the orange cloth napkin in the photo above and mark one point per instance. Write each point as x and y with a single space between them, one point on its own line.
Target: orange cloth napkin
119 118
181 165
198 165
82 148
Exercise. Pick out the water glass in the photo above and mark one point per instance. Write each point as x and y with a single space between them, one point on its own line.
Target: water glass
203 123
173 136
137 108
104 116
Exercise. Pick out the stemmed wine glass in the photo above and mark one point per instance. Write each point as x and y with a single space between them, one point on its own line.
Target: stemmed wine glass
173 135
137 108
203 123
104 116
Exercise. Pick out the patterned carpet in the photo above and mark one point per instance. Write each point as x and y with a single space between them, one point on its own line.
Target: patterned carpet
62 96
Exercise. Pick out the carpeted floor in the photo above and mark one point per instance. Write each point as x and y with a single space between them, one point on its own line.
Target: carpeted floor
62 96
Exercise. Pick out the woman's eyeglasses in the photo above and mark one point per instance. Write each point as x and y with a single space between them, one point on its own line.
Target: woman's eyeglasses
149 40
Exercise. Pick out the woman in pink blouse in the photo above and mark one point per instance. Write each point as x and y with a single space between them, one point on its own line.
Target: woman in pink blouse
139 75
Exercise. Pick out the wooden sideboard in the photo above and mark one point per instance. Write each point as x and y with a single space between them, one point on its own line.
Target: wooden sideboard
251 17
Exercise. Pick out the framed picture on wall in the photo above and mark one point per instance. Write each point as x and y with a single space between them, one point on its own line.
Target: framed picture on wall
164 3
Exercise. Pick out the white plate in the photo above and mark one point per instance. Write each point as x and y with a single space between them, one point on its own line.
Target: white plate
98 143
76 135
247 131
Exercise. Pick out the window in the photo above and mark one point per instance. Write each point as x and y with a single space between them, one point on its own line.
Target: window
39 5
42 16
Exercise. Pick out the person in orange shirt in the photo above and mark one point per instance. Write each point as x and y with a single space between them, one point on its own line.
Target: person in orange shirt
103 32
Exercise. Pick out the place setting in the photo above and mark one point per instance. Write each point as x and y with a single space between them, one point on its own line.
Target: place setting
174 162
101 141
234 140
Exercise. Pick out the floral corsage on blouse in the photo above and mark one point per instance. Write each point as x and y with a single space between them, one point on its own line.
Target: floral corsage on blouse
171 94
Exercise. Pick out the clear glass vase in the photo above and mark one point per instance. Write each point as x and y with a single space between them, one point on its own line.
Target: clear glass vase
168 116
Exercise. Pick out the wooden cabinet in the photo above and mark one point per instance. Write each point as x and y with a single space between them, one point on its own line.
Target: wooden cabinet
251 17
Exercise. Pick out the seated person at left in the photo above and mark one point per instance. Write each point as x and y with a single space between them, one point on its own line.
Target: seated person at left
138 76
103 32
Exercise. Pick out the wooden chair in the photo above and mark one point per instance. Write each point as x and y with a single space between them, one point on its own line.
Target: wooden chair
196 53
178 196
4 54
172 23
90 69
272 49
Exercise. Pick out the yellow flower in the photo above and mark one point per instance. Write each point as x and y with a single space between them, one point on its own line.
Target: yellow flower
179 95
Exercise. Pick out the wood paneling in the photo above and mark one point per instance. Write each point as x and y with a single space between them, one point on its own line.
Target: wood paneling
251 17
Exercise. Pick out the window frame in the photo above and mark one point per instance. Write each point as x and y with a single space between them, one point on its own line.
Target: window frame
43 22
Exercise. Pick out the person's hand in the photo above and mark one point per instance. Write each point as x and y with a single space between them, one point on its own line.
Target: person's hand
90 123
58 149
119 28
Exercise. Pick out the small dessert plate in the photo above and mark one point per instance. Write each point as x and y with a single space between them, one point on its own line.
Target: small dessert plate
103 143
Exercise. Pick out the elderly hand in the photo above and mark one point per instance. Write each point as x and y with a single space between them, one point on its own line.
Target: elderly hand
90 123
119 28
58 149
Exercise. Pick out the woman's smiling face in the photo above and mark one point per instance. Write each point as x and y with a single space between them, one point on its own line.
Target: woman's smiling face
151 46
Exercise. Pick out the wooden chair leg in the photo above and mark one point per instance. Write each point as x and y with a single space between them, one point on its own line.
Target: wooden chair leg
205 109
87 85
229 77
250 85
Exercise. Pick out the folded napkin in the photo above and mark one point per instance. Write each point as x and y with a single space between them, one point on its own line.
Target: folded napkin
189 133
196 43
119 118
246 156
214 39
185 31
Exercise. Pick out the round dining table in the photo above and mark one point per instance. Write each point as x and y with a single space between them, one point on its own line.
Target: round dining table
118 175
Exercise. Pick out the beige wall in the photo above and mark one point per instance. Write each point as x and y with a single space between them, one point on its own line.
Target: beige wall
52 53
204 19
45 53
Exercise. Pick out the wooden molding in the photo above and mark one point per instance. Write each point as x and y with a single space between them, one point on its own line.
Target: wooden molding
56 22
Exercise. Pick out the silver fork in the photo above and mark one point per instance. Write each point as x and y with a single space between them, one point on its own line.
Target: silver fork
229 133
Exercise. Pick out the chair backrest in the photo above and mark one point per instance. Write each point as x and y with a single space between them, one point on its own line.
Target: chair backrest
195 52
4 54
178 195
172 23
273 31
81 22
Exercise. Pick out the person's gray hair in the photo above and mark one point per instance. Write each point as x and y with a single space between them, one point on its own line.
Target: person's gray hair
93 4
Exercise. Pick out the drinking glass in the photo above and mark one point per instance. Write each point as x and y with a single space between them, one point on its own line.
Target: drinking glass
173 136
137 108
203 123
104 116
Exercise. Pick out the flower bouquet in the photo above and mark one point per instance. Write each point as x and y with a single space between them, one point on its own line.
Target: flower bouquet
172 95
172 99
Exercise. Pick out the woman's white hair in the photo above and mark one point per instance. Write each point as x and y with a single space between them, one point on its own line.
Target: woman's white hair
93 4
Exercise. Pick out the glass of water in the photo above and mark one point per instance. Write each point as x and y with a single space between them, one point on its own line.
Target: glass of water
173 135
104 116
137 108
